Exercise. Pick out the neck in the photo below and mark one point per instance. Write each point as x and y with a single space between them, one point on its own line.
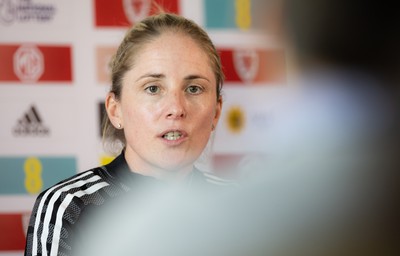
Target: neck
169 175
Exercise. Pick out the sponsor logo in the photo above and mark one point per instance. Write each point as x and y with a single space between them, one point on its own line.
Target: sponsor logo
31 175
28 63
253 66
13 228
124 13
261 119
235 119
25 11
246 62
35 63
136 10
31 124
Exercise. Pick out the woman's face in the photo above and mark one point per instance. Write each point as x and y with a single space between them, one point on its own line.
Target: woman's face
168 106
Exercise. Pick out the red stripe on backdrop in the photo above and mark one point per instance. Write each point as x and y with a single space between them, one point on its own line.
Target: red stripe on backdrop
56 64
6 62
228 66
122 13
12 232
253 66
109 13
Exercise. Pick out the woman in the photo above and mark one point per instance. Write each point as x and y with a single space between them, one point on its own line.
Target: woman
163 105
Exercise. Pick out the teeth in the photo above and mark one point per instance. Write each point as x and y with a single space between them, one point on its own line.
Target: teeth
172 135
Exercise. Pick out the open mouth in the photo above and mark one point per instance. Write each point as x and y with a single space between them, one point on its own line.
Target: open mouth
172 135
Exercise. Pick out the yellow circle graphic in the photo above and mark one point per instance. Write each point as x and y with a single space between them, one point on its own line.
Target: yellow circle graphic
235 119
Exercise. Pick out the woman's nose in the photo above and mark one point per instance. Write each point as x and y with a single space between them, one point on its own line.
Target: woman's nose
175 108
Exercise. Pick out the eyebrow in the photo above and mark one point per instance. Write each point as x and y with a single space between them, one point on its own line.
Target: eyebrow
151 75
157 75
193 77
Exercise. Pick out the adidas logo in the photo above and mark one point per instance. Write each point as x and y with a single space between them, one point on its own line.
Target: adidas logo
31 124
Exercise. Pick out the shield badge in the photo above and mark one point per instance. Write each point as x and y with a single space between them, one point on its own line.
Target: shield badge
246 63
136 10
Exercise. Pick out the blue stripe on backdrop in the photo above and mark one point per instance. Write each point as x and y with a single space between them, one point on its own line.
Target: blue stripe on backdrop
220 14
31 175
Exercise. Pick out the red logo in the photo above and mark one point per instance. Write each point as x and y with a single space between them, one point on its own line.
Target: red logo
28 63
246 62
253 66
136 10
35 63
124 13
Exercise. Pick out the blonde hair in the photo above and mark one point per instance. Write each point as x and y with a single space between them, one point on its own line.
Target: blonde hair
138 36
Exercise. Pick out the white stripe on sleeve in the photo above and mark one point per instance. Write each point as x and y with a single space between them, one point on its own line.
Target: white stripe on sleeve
49 211
63 207
40 209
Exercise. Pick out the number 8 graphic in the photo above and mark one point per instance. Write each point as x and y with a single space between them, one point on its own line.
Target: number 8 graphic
243 13
33 179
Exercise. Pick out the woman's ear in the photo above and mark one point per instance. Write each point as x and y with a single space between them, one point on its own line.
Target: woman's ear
218 111
113 108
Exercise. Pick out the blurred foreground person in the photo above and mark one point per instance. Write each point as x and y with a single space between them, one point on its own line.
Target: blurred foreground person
163 105
330 183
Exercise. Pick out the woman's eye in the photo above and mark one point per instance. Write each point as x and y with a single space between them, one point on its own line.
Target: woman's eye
153 89
193 89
